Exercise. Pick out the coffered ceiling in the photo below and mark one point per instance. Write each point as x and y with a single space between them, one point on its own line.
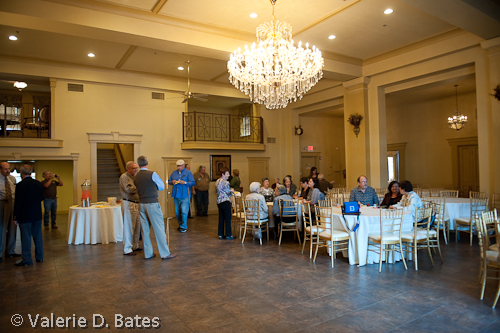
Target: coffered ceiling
158 36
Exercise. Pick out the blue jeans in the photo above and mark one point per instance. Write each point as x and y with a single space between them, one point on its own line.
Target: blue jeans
49 205
181 211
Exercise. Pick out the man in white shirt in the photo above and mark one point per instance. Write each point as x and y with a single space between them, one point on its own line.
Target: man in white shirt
8 228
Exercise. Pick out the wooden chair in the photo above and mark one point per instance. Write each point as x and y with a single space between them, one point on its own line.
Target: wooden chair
421 236
237 215
380 198
444 223
389 238
336 201
434 192
449 194
39 123
289 218
440 219
418 190
332 239
477 206
325 203
490 260
251 212
477 195
496 201
491 228
310 228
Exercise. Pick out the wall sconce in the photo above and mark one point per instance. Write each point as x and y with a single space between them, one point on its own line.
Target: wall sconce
20 85
299 130
355 120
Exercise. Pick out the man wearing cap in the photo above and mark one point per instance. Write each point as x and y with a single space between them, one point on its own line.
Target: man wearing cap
182 180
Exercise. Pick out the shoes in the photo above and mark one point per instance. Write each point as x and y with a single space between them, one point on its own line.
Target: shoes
54 226
1 260
13 255
138 249
154 255
130 254
182 230
221 237
230 238
170 256
39 260
22 263
47 227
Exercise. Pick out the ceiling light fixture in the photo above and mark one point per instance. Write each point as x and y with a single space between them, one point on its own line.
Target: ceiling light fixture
20 85
275 72
253 15
180 68
388 11
458 121
332 37
13 37
91 55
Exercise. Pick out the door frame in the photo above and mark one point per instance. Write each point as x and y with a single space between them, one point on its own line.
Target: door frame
455 144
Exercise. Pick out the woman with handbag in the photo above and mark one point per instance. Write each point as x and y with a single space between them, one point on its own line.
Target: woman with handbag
224 192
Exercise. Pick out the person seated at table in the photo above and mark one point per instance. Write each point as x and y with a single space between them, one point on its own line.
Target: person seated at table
266 190
304 189
324 184
255 195
315 193
314 174
410 200
235 181
276 183
393 196
291 188
364 194
280 195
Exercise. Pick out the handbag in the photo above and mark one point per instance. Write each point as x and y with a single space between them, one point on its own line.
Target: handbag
351 208
257 232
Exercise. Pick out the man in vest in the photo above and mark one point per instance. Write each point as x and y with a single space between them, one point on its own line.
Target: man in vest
148 183
182 180
130 210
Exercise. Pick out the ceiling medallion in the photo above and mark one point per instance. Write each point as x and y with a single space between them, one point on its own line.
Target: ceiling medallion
275 72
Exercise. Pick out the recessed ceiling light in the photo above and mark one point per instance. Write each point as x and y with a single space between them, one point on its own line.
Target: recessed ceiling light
253 15
12 37
180 68
91 55
388 11
332 37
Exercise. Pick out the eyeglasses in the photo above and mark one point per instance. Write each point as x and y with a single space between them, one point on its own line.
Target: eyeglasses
364 182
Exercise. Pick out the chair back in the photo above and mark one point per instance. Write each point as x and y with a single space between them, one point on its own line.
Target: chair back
477 195
323 217
306 215
427 203
336 201
380 198
480 235
490 224
477 206
439 214
449 193
496 201
44 115
434 192
288 211
324 203
422 219
391 221
418 190
251 209
236 206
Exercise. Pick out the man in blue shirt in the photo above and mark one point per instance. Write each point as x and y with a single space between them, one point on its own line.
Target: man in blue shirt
364 194
182 179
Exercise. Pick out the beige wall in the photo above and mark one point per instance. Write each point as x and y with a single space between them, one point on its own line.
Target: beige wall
63 169
326 134
424 128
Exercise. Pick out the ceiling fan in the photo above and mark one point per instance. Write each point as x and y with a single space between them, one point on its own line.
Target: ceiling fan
188 94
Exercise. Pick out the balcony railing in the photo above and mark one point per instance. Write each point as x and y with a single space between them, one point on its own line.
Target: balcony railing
25 120
201 126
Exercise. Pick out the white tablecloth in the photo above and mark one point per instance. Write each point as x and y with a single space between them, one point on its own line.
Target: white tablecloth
455 208
91 225
369 222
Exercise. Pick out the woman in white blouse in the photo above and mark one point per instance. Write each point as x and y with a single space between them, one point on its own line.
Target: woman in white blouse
255 195
410 201
267 190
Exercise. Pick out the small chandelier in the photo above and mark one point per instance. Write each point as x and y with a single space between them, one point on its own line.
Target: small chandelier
275 72
20 85
458 121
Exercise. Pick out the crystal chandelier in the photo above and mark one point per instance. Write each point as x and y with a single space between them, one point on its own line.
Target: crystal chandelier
458 121
20 85
275 72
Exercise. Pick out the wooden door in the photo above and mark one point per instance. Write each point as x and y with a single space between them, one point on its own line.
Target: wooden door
468 167
306 163
258 168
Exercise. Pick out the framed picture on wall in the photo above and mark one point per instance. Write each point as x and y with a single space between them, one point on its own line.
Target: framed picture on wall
217 162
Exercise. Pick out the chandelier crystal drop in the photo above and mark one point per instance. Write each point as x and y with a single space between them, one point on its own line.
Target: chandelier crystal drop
274 72
458 120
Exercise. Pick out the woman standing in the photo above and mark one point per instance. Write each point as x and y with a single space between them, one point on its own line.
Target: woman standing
224 192
235 181
393 196
314 174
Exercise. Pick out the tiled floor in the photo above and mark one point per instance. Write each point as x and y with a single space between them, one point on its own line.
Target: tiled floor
223 286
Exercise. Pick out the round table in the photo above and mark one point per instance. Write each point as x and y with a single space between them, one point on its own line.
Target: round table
95 224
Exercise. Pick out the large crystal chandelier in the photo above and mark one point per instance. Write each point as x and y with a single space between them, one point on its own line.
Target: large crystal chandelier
275 72
458 121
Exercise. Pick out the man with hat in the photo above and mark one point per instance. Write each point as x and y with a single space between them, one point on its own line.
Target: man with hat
181 179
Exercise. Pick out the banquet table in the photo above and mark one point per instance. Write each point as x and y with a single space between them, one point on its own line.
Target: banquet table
369 222
454 208
95 224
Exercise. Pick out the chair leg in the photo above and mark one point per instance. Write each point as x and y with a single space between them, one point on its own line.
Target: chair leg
333 254
485 272
316 252
456 233
448 230
496 298
244 234
298 236
304 243
380 260
429 250
311 241
415 254
281 234
470 231
401 252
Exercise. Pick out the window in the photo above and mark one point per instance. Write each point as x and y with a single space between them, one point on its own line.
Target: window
393 165
17 175
245 126
12 115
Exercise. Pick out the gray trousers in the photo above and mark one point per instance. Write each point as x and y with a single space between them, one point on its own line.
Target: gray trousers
151 214
131 226
8 229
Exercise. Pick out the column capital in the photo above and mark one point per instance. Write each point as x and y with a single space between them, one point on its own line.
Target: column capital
357 83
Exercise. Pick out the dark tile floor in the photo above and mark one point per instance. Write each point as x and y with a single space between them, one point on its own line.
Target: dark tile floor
223 286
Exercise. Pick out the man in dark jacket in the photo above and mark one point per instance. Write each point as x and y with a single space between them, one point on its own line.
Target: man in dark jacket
28 214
